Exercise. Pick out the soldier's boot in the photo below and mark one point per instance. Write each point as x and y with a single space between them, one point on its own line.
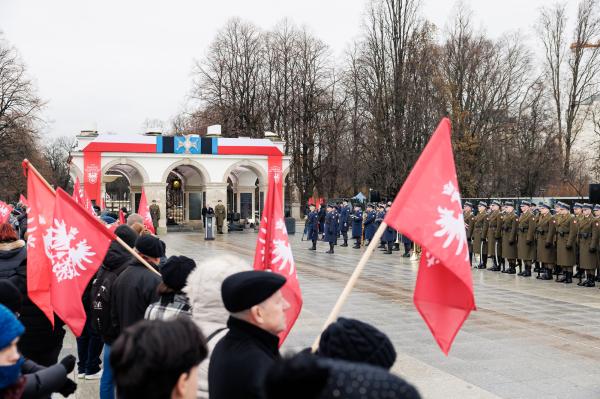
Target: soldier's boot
563 279
569 277
396 246
345 244
580 277
579 273
483 263
504 269
382 245
520 270
547 274
330 248
597 274
495 266
511 267
314 245
389 248
406 253
590 281
557 271
527 272
537 268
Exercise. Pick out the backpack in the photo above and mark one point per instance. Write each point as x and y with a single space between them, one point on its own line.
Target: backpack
100 294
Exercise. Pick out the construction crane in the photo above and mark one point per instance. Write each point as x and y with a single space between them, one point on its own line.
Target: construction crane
575 46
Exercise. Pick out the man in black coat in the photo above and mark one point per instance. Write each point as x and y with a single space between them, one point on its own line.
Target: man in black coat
135 288
240 361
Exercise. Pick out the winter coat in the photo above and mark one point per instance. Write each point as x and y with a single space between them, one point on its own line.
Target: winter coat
344 219
566 233
587 238
115 261
370 227
240 361
40 381
492 233
331 227
509 236
204 292
312 226
477 234
357 220
132 292
39 335
545 228
526 237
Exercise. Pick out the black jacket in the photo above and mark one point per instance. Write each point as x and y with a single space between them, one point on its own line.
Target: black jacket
240 361
132 292
39 334
41 382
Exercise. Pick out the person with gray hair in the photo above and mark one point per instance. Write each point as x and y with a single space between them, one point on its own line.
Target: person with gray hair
204 292
134 218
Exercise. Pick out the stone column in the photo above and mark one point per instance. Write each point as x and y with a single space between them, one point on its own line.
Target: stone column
215 192
295 203
158 191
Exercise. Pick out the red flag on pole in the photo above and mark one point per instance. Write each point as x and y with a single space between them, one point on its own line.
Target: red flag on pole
78 194
144 211
5 210
23 200
121 217
273 251
428 210
40 214
77 245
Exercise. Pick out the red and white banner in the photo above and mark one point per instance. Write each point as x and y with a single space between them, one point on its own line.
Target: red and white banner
428 210
144 211
5 210
76 245
23 200
273 250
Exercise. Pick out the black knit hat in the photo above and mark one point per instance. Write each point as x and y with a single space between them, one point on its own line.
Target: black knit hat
149 245
10 296
176 270
354 340
126 234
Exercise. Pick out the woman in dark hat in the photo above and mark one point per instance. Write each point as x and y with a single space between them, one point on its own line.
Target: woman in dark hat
173 302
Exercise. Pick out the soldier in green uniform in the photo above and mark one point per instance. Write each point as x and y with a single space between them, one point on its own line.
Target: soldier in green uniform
492 233
597 217
468 218
509 237
477 236
566 233
577 212
545 230
155 215
535 212
525 238
587 240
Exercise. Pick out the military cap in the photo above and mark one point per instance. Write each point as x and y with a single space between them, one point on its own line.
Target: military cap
482 203
563 205
543 205
469 203
525 203
242 290
596 207
496 202
577 205
509 203
330 205
369 205
586 206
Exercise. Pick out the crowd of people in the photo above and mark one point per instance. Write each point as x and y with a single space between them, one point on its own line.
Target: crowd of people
557 244
180 330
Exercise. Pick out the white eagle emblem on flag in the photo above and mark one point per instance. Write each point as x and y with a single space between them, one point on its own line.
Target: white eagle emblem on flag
451 227
66 255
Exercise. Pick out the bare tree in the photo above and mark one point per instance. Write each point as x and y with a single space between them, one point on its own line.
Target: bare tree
57 154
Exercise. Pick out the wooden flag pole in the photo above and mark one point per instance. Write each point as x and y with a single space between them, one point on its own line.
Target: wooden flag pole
351 282
118 239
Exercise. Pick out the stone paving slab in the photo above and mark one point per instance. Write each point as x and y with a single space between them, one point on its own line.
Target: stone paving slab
528 339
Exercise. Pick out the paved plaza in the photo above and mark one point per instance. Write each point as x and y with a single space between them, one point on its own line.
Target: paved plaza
528 338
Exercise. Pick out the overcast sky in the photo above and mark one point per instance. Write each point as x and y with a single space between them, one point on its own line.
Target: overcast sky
110 65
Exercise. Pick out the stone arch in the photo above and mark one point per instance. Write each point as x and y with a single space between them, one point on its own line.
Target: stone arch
187 162
127 161
248 164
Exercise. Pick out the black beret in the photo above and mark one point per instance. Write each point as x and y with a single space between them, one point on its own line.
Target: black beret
176 270
10 296
126 234
242 290
149 245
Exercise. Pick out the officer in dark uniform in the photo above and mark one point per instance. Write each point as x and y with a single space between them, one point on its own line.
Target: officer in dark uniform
545 230
312 227
566 234
477 235
370 224
379 215
509 237
587 239
526 238
357 221
331 228
322 213
389 235
468 218
492 233
345 222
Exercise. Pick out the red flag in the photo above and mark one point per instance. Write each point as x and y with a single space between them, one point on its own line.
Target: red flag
40 214
77 245
144 211
5 211
80 197
428 210
122 217
23 200
273 251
